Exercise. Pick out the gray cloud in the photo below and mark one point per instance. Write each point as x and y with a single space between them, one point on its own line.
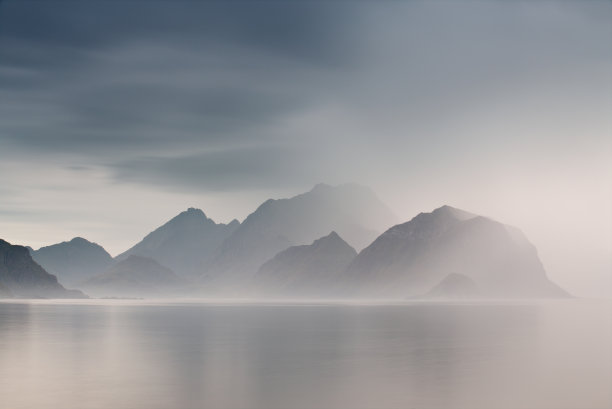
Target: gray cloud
116 75
111 82
258 167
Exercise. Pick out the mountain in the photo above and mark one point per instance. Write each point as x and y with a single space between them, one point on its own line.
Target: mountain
454 286
307 270
353 211
183 243
411 258
22 277
73 261
136 276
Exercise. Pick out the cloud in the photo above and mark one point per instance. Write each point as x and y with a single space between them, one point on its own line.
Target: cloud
246 168
116 76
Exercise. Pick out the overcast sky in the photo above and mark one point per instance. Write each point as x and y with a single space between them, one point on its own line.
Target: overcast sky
116 115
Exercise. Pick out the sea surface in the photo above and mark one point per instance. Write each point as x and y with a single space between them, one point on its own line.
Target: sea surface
115 354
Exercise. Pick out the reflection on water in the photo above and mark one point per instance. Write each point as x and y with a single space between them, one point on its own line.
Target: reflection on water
130 355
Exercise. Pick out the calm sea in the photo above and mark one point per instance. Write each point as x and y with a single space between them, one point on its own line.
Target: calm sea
144 354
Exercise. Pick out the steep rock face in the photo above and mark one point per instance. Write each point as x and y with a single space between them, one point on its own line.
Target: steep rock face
136 276
305 271
22 277
184 243
411 258
73 261
353 211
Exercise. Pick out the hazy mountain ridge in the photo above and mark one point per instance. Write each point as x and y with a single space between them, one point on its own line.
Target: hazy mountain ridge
137 276
353 211
184 243
306 270
22 277
284 248
73 261
411 258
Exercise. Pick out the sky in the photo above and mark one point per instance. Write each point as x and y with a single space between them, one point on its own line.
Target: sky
117 115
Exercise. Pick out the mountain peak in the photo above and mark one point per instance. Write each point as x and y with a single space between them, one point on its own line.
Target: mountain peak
183 243
330 238
73 261
80 241
188 217
454 212
193 212
233 223
305 269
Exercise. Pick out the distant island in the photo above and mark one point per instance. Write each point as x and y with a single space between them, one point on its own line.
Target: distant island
330 242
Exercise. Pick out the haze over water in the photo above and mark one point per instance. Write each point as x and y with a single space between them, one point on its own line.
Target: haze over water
139 354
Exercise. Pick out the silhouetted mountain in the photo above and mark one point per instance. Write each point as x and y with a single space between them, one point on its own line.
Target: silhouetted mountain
411 258
306 270
22 277
136 276
353 211
73 261
454 286
184 243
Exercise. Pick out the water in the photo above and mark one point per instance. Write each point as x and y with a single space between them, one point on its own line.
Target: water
137 354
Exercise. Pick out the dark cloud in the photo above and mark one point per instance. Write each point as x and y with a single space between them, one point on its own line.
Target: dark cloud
90 77
125 84
312 31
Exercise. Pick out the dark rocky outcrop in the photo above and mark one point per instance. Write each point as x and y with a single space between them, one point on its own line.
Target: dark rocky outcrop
22 277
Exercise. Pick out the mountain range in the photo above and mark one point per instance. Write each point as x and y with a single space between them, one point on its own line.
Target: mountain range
328 242
22 277
353 211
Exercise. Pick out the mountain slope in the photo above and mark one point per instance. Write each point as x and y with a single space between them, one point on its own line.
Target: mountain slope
353 211
73 261
411 258
136 276
307 270
22 277
454 286
184 243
